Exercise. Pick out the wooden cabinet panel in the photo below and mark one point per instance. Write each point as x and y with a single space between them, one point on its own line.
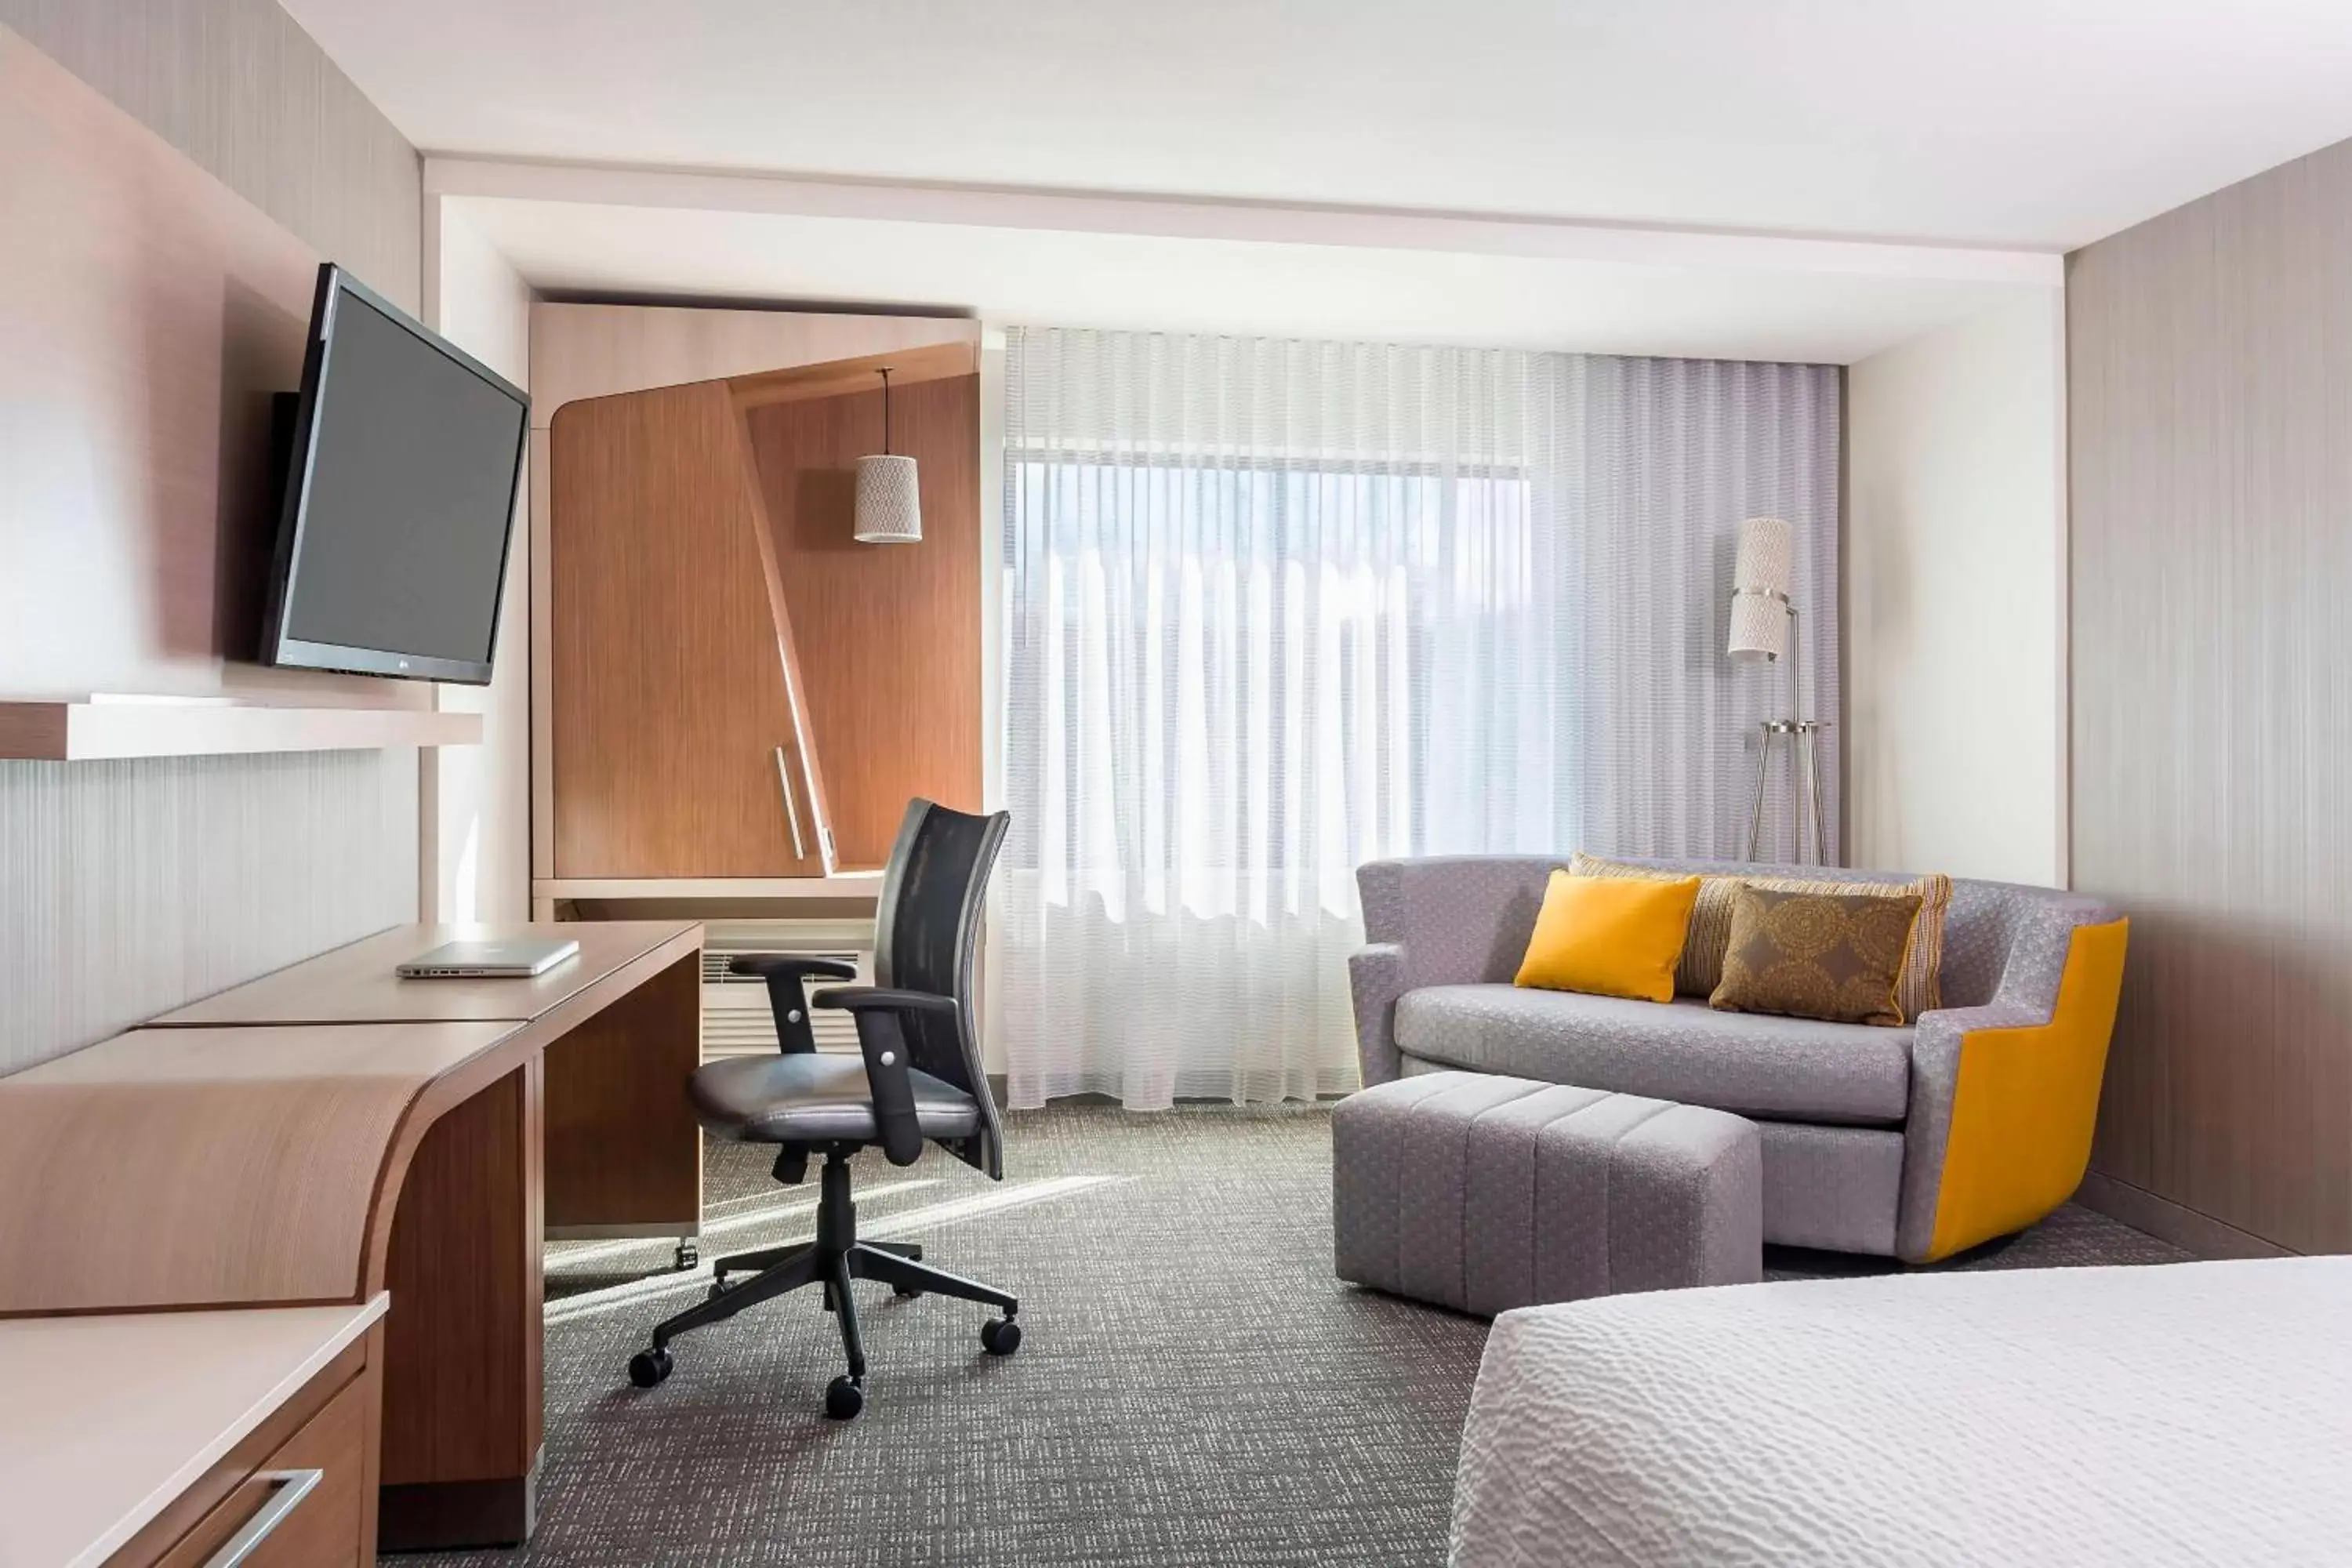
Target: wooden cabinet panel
887 636
464 1252
672 741
617 1113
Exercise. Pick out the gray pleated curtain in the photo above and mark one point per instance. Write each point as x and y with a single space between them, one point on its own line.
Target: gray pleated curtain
1273 608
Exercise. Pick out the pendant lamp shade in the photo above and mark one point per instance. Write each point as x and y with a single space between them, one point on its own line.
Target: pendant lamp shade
1760 590
889 505
889 511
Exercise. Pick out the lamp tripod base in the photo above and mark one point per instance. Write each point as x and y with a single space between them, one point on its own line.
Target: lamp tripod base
1799 736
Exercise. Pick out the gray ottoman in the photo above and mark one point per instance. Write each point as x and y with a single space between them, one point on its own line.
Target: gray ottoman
1484 1193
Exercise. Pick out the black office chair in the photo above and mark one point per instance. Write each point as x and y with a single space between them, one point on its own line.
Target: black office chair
920 1078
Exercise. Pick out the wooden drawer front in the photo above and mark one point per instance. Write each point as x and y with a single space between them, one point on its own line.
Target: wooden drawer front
321 1530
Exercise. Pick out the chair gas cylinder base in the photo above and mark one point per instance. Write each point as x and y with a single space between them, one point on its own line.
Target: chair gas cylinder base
917 1078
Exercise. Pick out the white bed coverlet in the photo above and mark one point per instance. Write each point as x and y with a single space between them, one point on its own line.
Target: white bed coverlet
2194 1412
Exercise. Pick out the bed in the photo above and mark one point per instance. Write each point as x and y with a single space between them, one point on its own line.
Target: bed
2185 1412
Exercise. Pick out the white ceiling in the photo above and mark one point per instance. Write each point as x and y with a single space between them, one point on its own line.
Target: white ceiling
1180 284
2028 123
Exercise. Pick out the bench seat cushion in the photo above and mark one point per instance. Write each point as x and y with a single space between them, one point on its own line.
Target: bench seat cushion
1484 1194
1751 1064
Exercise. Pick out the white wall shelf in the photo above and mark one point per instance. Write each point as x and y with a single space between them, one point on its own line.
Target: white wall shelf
103 730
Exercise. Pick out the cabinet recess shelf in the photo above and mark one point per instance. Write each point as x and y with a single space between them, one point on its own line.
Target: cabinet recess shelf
841 885
93 731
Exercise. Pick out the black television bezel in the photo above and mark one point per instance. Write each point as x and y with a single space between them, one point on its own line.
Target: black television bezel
296 653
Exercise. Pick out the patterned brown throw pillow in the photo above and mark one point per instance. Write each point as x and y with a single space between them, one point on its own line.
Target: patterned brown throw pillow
1833 956
1920 989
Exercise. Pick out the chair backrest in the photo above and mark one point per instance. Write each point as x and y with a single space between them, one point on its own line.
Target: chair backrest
926 928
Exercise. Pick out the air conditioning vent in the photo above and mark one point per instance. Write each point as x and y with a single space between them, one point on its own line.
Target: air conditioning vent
736 1017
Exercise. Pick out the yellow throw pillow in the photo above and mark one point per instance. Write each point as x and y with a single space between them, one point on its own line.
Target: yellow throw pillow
1610 936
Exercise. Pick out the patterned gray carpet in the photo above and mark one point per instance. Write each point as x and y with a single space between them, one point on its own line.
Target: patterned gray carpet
1194 1386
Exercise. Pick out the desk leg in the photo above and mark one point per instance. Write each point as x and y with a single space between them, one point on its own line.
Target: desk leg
462 1421
624 1153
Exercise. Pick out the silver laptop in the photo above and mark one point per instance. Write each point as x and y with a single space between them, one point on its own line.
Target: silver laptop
516 959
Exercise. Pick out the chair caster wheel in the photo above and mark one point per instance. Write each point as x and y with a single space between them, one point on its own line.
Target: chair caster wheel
717 1288
648 1368
844 1399
908 1291
1000 1336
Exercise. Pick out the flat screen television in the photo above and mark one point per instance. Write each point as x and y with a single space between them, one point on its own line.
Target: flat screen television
405 452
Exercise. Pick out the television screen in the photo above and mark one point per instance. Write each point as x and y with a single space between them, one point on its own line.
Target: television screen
400 493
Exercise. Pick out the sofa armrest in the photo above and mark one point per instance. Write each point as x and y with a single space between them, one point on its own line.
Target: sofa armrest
2005 1097
1461 919
1440 919
1375 980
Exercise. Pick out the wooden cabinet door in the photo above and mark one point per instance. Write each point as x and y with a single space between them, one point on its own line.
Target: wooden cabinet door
674 750
889 636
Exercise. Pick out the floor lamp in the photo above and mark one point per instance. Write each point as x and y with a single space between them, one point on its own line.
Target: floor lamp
1764 626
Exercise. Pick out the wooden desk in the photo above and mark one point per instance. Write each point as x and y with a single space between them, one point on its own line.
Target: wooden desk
127 1434
624 1153
329 1132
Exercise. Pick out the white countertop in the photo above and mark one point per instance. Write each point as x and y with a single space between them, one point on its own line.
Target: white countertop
104 1420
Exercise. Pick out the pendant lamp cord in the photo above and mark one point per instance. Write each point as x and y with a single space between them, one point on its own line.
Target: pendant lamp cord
886 410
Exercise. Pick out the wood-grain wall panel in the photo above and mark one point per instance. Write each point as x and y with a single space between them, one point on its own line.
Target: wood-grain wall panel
888 635
665 673
128 887
146 320
238 87
2210 369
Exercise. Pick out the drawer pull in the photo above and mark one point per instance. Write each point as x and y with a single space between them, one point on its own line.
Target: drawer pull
288 1489
792 812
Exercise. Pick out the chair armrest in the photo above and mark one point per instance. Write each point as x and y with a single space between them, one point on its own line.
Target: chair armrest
872 998
883 1017
1375 981
787 996
799 965
2005 1097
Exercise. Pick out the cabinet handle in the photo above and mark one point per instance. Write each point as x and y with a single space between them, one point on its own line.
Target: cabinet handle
816 810
792 812
288 1488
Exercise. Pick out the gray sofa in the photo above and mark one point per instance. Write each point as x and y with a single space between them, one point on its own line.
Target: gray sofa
1869 1144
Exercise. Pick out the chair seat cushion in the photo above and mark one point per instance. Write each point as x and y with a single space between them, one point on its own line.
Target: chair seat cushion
1787 1068
814 1097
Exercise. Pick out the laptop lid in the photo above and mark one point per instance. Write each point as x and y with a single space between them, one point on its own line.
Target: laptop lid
514 957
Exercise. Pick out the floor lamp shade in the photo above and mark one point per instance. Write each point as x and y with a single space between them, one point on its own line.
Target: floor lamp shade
889 507
1764 626
1760 590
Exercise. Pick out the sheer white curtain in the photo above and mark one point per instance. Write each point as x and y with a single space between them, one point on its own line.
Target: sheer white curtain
1275 608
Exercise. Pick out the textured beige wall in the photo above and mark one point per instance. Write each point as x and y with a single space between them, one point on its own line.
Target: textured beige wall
2209 373
1954 556
128 887
478 798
